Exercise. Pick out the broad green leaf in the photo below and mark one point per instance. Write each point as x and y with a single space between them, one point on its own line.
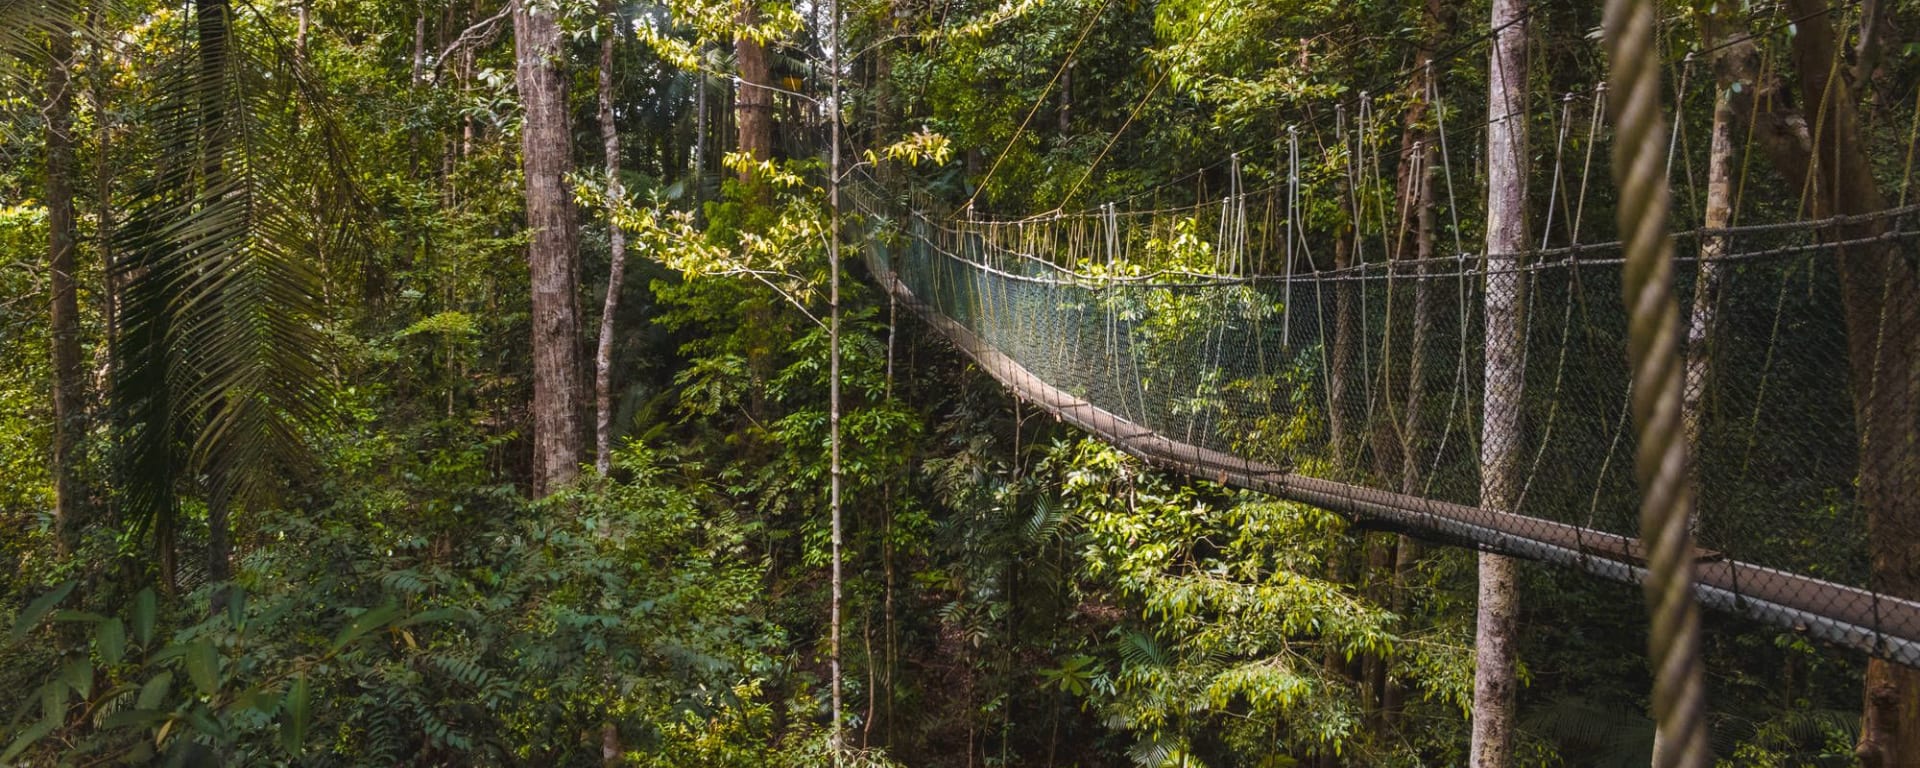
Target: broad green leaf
144 610
199 718
37 610
257 700
293 727
168 653
203 667
364 623
78 675
53 703
237 608
132 718
155 690
78 617
26 739
110 639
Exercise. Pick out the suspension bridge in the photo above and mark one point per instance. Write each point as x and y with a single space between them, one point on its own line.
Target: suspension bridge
1330 352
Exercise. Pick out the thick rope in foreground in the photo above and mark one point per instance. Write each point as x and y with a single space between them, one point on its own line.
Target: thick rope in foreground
1679 698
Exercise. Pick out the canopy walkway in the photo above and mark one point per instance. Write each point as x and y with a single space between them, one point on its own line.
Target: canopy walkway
1214 340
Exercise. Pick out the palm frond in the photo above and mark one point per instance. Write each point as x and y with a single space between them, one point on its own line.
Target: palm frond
25 29
25 24
223 358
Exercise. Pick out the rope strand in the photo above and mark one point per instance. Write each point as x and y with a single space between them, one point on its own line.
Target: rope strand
1673 644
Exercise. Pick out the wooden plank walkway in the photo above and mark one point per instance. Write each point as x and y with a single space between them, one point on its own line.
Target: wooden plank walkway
1877 624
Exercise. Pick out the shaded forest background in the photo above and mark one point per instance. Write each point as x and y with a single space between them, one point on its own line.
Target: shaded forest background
448 384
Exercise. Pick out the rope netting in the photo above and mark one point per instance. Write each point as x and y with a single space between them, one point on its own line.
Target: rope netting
1240 348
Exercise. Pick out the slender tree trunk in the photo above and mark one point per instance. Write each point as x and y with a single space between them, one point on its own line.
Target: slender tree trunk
617 266
1333 661
699 131
836 478
1066 99
97 92
1339 570
1339 427
883 89
69 402
419 70
1340 381
1709 275
1874 27
552 258
1494 682
610 748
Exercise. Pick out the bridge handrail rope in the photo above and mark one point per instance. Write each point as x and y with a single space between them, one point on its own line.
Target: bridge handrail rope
1537 260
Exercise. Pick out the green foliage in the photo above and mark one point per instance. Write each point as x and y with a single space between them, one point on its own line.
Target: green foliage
1248 58
1233 628
445 323
26 426
636 605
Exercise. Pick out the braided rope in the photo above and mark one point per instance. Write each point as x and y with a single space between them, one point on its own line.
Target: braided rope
1679 699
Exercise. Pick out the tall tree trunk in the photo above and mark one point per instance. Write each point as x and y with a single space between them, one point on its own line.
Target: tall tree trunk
1877 287
753 120
69 404
1494 681
836 472
552 258
754 102
617 260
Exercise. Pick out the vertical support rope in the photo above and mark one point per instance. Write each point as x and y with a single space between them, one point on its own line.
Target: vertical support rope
1679 697
1293 223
